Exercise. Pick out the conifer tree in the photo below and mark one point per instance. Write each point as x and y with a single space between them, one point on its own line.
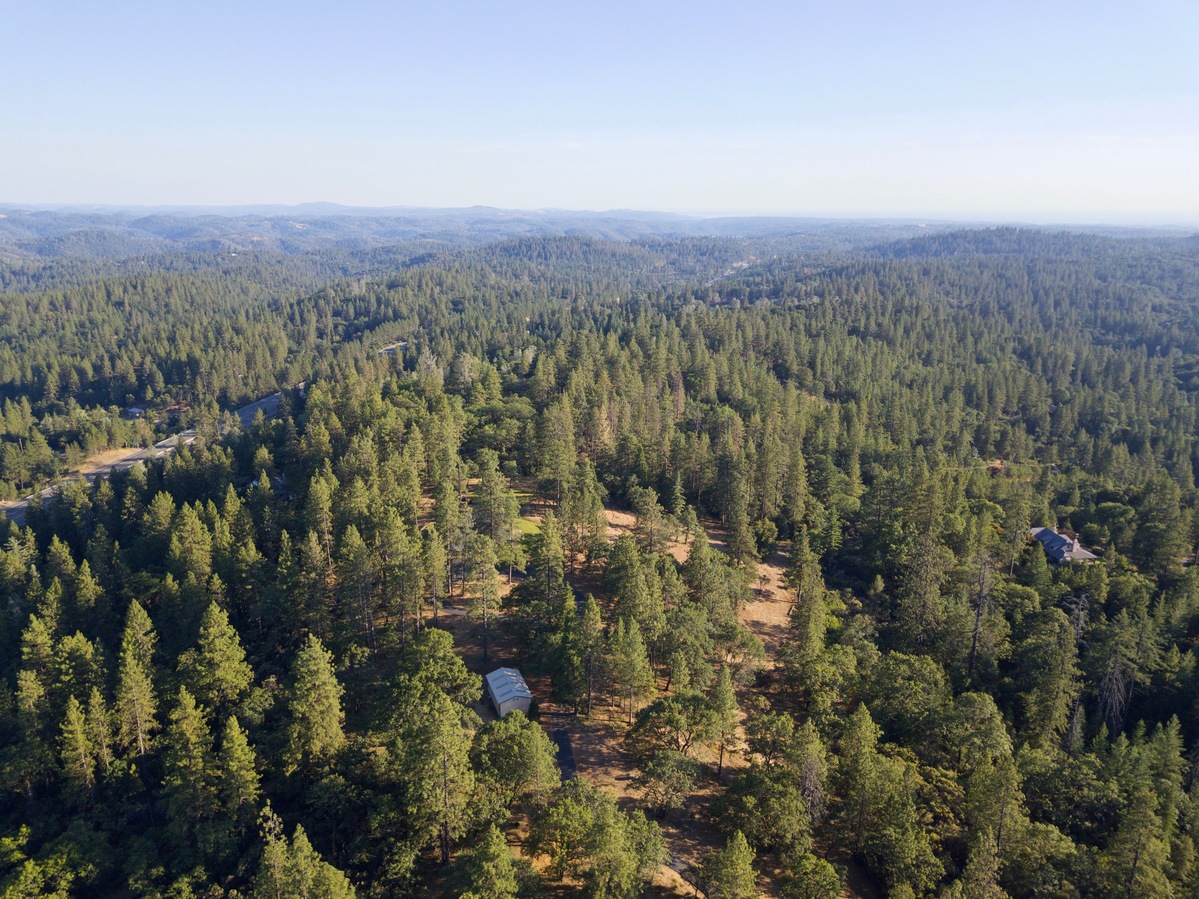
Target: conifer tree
1016 529
1161 540
678 499
47 602
484 601
635 585
725 712
809 617
357 566
556 445
547 569
239 785
315 731
1050 675
1137 860
1036 572
59 562
78 763
569 678
295 871
319 514
740 533
156 525
981 877
808 760
37 649
449 521
397 549
591 645
99 730
583 521
216 670
631 672
317 580
650 526
489 869
435 751
76 667
804 575
190 548
497 510
921 608
190 777
88 594
434 562
137 704
857 777
729 872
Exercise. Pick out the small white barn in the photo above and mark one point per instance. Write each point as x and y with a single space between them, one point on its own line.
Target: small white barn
508 691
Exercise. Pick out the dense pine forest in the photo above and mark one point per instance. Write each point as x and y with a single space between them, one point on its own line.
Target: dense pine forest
751 514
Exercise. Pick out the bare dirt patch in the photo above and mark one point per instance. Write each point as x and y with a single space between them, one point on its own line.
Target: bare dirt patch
768 616
107 459
619 523
597 743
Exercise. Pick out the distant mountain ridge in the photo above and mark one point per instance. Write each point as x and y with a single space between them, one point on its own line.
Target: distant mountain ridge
110 233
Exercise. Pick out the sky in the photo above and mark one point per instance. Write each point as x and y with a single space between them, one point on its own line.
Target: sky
1047 111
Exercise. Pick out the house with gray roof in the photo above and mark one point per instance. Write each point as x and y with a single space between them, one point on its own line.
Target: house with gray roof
1062 546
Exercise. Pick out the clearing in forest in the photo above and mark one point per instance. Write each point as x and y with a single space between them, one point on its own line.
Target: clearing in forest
596 743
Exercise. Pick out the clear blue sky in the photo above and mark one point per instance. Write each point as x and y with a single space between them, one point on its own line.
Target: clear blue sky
1037 111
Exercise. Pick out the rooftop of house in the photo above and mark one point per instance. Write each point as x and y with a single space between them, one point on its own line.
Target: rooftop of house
1062 546
507 683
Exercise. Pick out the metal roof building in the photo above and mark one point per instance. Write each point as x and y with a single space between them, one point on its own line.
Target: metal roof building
508 691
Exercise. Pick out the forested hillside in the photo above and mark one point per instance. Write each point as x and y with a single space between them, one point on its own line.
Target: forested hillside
253 668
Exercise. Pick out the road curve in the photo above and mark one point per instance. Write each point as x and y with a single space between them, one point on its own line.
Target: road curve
268 405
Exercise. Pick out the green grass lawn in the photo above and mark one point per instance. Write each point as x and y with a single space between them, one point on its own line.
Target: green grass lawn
527 527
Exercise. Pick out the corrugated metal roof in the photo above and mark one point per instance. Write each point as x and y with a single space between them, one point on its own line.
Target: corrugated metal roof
505 684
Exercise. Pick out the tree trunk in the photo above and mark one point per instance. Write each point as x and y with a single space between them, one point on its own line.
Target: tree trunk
590 667
978 617
444 835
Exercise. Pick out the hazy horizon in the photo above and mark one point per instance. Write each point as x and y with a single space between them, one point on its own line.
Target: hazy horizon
325 208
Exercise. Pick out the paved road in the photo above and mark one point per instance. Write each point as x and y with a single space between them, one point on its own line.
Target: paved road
269 405
566 753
